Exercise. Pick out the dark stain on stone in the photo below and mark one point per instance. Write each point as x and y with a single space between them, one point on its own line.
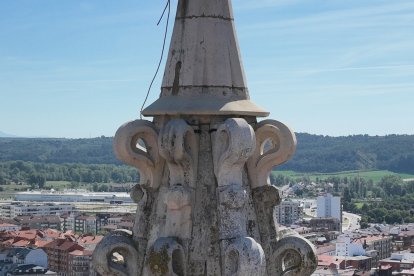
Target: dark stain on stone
184 7
176 78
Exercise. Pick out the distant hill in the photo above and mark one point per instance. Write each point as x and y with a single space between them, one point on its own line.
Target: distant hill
3 134
315 153
59 151
318 153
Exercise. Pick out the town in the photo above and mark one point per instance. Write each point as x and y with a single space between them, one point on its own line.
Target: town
55 233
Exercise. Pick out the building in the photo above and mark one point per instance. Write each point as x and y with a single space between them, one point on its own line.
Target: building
40 222
29 256
362 263
23 209
89 242
80 263
288 212
378 247
12 258
29 270
74 196
325 224
86 224
329 206
68 222
399 261
345 247
9 227
325 261
326 250
58 254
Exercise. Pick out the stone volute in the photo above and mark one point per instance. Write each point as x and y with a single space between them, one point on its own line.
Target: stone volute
204 203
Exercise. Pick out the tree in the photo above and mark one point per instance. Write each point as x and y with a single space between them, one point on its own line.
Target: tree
36 179
95 187
103 188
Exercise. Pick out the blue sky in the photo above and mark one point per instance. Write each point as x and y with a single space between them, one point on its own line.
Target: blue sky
81 68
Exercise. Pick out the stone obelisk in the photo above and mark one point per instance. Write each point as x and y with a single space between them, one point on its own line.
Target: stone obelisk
204 204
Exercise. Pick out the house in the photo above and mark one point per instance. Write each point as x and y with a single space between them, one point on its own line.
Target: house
9 227
89 242
80 263
39 222
29 270
86 224
58 253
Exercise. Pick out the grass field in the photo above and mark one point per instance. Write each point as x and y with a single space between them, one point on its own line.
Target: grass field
374 175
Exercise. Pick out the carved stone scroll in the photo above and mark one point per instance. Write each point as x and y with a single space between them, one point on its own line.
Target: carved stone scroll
145 158
244 256
117 243
293 256
275 144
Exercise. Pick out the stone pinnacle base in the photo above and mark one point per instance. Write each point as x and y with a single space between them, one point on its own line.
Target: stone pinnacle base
204 204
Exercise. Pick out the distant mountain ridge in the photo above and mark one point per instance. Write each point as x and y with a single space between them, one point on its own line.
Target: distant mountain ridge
3 134
314 153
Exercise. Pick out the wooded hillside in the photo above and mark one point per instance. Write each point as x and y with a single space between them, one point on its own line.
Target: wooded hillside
315 153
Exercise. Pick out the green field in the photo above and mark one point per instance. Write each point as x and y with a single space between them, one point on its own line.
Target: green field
375 176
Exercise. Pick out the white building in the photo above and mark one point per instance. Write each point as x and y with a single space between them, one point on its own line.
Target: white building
10 257
21 209
288 212
345 247
74 196
329 206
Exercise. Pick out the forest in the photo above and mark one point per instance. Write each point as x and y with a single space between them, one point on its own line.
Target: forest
314 153
34 161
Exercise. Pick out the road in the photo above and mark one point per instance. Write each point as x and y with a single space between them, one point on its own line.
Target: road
353 221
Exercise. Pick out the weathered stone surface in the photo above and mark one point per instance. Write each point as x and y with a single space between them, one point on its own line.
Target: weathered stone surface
119 241
204 204
204 74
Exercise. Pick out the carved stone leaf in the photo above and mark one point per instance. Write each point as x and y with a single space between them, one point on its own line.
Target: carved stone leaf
234 143
178 145
145 157
275 144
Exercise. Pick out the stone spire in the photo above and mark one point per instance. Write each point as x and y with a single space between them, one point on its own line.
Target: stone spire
204 73
204 204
